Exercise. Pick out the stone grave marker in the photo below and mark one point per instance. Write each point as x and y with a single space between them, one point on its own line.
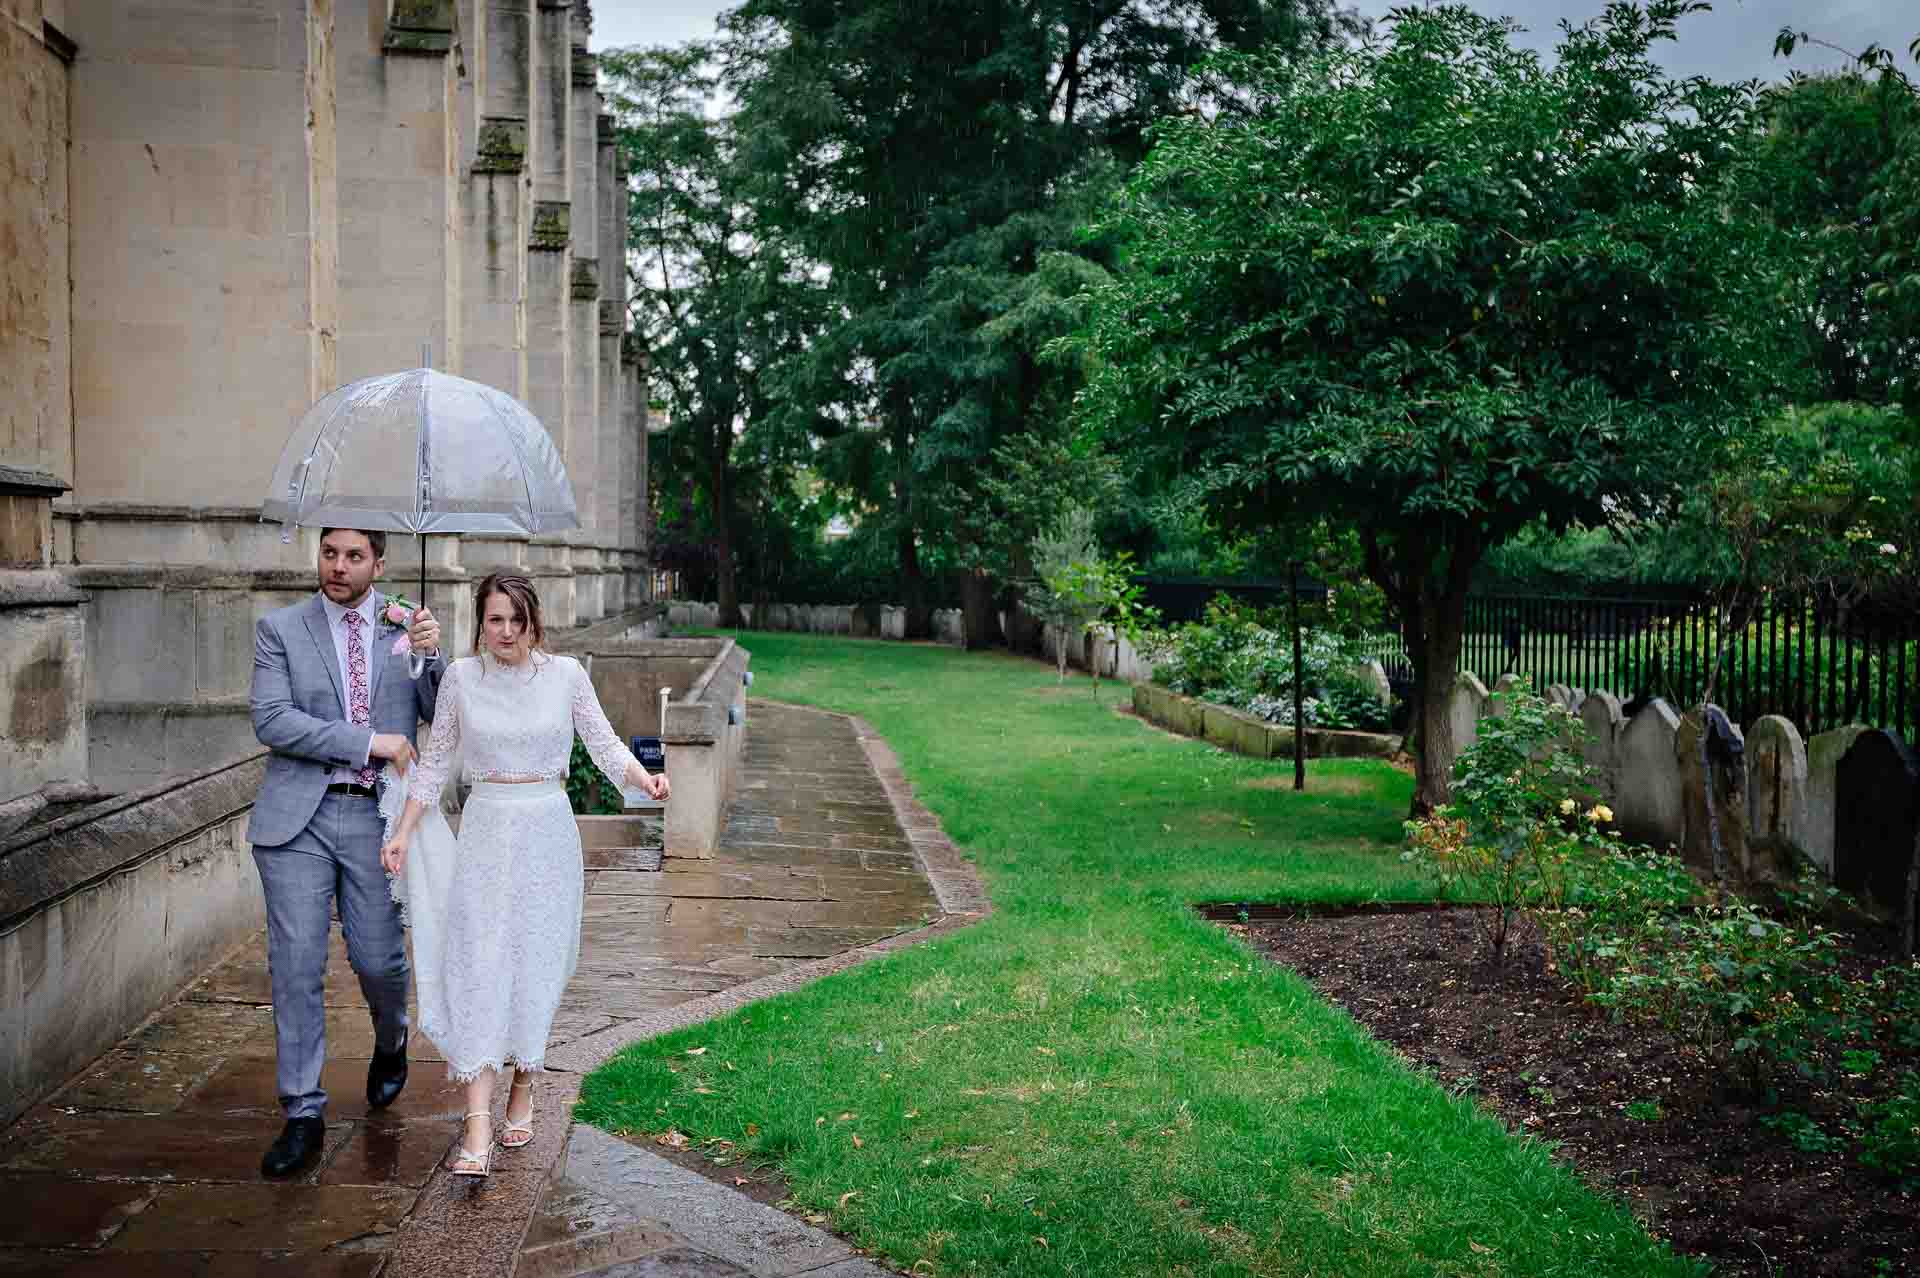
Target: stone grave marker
1824 753
1777 794
1877 805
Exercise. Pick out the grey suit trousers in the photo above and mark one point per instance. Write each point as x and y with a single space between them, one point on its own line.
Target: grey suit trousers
337 855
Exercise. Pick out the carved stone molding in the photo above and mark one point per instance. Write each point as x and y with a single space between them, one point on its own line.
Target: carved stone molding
502 145
552 225
613 316
585 281
421 27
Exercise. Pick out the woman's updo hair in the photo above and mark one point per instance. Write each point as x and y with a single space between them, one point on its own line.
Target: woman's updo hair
526 607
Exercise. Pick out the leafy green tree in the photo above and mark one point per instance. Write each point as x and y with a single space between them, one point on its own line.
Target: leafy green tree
1859 138
1820 168
938 184
1439 291
719 296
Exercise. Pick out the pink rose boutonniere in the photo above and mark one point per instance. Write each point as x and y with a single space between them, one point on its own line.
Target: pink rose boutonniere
399 612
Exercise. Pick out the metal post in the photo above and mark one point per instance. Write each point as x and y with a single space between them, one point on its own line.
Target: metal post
1299 727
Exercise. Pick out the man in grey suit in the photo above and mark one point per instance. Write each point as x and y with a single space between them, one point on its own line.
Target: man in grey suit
331 700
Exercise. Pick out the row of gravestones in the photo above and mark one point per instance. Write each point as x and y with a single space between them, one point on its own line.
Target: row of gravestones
886 622
1847 802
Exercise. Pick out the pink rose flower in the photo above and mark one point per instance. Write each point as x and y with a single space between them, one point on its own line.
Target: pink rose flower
397 615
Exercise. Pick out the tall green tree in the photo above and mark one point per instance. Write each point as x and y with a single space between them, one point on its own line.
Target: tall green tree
933 180
1857 138
1821 168
1441 291
719 296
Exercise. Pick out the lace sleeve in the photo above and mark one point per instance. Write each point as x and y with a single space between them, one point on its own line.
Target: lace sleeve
591 726
430 772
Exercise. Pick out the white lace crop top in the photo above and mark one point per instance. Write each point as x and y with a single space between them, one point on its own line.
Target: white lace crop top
515 723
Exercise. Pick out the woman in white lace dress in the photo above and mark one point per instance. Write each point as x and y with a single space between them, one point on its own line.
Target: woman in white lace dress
495 913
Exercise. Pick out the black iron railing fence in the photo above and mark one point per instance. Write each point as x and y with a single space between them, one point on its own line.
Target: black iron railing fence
1814 661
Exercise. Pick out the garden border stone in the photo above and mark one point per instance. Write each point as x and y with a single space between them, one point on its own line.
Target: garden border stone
1256 738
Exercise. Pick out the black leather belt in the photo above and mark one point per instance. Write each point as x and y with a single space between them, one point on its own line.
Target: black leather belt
357 791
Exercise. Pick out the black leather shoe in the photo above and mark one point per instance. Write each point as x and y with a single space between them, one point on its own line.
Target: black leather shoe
299 1146
386 1075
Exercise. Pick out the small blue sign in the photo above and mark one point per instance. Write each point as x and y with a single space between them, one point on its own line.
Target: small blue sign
651 752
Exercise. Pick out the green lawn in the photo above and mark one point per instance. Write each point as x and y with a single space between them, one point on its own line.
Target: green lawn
1094 1081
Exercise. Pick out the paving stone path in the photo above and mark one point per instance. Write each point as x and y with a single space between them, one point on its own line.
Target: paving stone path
148 1162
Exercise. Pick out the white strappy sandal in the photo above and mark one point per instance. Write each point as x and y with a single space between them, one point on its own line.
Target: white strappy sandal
525 1128
480 1164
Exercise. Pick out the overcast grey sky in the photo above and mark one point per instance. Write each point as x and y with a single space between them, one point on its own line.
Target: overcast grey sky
1734 42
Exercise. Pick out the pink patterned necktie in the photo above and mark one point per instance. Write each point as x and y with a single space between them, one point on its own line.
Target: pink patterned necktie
357 709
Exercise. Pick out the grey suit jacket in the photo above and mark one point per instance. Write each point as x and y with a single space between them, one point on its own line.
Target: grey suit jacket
300 710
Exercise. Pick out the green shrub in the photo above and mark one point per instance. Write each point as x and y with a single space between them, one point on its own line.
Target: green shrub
1244 658
1514 834
1890 1131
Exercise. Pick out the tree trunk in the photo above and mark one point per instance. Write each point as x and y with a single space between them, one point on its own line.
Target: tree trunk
1430 594
980 627
1433 763
1023 629
913 587
726 587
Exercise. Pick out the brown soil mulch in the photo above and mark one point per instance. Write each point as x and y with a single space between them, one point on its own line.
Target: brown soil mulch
1705 1174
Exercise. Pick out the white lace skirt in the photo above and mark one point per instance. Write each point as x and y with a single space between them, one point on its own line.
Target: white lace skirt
495 915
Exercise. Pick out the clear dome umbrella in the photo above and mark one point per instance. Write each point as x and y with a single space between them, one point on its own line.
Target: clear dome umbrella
421 452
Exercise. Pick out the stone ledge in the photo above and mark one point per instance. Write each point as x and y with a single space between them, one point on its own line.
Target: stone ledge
607 629
133 510
37 588
51 862
186 577
30 481
205 708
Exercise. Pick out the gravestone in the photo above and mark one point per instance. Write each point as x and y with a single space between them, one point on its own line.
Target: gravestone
1600 714
1877 807
1502 699
1647 803
1824 752
1374 675
893 622
1777 794
1465 704
1713 792
1560 695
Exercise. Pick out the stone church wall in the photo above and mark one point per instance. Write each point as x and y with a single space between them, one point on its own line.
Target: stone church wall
255 204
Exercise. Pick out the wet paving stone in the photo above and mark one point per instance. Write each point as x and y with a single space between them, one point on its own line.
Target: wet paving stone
385 1151
189 1264
245 1085
140 1082
634 859
170 1147
53 1211
257 1217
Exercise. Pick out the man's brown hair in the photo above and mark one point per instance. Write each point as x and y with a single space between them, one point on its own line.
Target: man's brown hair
378 540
